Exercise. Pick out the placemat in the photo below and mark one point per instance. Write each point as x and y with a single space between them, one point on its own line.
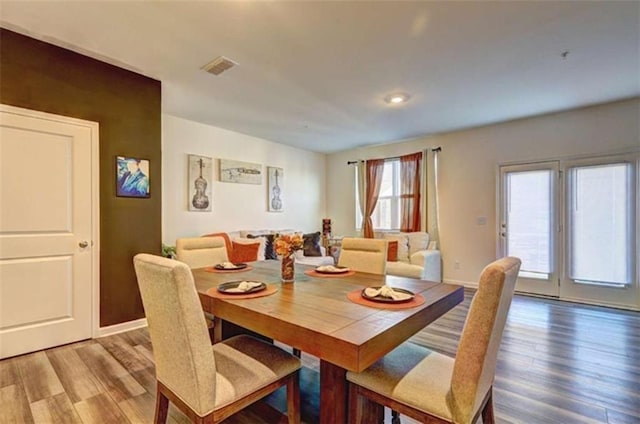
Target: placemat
271 289
313 273
356 297
224 271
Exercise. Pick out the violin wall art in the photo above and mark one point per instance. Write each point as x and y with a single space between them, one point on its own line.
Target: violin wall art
200 179
275 180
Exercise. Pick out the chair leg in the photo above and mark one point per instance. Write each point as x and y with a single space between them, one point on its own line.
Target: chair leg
487 411
162 407
293 398
354 407
395 417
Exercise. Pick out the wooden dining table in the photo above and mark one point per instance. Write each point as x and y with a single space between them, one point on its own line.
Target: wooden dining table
314 315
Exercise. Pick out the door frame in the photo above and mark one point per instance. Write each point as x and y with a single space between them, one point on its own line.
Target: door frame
565 162
606 296
94 129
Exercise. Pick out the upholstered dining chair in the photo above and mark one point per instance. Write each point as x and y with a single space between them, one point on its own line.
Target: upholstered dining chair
198 252
434 388
207 383
364 255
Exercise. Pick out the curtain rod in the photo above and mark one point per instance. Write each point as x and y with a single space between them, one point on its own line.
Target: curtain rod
351 162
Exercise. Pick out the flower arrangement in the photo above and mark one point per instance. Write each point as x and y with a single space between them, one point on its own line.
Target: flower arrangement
287 244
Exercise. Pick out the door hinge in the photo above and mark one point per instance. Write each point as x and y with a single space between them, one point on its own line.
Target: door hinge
559 174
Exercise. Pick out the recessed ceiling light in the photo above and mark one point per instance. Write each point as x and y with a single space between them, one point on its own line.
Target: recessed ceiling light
397 98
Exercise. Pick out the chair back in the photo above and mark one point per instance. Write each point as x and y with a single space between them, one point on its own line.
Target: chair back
475 363
182 351
364 255
198 252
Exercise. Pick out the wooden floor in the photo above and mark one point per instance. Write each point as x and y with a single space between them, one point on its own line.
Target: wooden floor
558 363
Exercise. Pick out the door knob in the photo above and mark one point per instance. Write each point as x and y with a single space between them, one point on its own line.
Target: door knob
83 244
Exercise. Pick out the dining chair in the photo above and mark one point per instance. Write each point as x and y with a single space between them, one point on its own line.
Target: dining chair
434 388
207 383
198 252
364 255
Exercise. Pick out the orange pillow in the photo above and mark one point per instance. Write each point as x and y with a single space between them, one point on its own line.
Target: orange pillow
392 251
244 252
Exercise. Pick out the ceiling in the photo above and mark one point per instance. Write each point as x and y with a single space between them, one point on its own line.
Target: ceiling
314 74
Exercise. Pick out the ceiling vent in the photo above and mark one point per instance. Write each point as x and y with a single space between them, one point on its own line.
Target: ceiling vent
219 65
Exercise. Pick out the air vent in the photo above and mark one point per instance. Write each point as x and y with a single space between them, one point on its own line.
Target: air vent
219 65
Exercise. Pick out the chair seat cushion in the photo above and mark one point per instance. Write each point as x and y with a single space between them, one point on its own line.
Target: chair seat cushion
245 364
404 269
413 375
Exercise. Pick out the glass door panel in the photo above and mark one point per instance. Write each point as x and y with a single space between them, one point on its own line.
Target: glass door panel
529 224
601 228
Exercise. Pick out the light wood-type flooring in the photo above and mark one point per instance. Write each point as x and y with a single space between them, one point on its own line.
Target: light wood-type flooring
558 363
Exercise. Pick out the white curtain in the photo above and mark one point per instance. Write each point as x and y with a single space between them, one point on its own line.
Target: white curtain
361 169
433 209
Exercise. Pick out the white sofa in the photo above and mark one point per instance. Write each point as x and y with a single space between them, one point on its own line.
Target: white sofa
241 236
415 257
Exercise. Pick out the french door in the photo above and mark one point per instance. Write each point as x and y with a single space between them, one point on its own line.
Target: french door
574 224
530 224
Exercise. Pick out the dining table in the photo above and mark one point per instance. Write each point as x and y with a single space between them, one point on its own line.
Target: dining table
321 317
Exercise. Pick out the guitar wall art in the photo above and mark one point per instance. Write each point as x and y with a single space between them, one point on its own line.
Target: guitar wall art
276 178
200 179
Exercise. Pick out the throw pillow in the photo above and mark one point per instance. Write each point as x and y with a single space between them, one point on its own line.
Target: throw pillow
311 244
261 243
242 252
418 241
269 246
392 251
403 244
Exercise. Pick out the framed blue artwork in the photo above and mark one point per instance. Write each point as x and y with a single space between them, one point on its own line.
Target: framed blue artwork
132 177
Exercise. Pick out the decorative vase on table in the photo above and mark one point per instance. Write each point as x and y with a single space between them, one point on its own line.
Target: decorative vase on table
288 269
285 246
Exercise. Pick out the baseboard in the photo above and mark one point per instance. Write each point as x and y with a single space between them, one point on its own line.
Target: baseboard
469 284
122 327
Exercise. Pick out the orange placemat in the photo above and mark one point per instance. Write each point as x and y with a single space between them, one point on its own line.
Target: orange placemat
225 271
356 297
271 289
313 273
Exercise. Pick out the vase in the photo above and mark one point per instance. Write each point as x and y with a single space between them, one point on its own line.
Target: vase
287 269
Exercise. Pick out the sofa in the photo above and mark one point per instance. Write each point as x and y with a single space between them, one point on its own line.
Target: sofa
413 255
252 245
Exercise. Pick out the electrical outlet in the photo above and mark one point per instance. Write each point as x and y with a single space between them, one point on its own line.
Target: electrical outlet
456 264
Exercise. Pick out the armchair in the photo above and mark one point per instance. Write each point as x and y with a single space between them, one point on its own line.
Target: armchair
416 256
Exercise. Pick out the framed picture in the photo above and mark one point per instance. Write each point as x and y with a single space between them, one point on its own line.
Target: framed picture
132 177
275 179
200 178
233 171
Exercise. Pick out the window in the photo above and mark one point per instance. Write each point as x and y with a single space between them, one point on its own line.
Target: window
529 220
600 217
386 215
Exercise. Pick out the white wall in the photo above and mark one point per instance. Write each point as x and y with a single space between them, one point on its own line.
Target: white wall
468 166
237 206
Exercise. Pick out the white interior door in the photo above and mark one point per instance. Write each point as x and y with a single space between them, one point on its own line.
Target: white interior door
48 204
